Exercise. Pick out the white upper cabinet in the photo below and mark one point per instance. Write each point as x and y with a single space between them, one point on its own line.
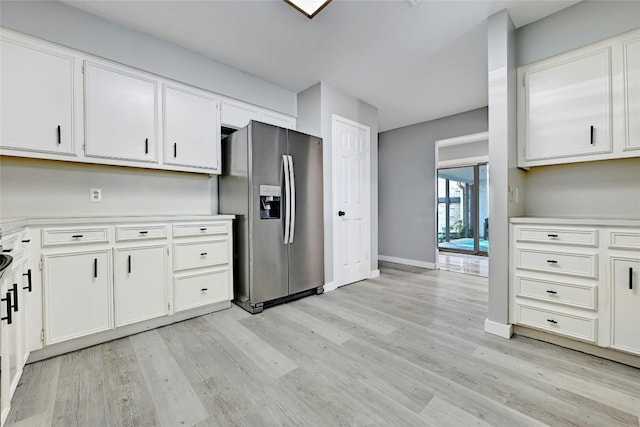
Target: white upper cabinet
581 105
631 52
120 114
37 97
278 119
238 114
191 128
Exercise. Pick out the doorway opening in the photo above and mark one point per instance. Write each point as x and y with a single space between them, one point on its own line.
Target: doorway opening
463 209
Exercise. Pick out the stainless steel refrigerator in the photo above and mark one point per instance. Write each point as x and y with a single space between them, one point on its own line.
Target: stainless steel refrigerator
272 181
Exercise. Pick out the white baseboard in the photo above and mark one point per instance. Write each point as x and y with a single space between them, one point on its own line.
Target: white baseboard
374 274
331 286
412 262
499 329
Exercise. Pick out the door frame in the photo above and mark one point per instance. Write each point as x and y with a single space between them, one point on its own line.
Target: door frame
337 282
467 161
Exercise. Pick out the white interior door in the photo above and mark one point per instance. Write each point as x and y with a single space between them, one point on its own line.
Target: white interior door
351 216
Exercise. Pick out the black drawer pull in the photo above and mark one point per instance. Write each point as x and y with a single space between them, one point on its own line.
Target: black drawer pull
204 289
7 300
77 236
203 229
95 268
551 292
552 236
552 261
28 274
143 232
26 241
552 321
15 297
6 251
631 278
59 136
203 254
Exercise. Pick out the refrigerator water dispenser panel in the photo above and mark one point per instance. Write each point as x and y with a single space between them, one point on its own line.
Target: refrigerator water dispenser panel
270 201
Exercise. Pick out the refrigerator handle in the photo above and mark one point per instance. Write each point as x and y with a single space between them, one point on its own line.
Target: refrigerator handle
287 198
292 197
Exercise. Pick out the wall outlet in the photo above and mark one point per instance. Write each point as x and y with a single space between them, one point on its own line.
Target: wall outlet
95 195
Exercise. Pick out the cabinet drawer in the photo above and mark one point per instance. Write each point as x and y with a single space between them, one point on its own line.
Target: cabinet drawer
624 240
200 254
74 236
140 232
582 237
195 290
582 265
560 293
203 229
583 328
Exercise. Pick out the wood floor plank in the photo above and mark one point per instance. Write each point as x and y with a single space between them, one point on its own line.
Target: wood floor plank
441 413
174 400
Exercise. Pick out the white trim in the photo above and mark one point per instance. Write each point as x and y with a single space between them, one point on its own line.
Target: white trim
466 161
464 139
499 329
331 286
367 187
374 273
411 262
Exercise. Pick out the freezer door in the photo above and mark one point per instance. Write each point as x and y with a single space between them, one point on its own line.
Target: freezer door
269 261
306 252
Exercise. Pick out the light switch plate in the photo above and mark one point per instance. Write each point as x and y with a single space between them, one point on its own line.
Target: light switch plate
95 195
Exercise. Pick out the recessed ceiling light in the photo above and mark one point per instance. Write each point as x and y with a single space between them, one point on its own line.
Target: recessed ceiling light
309 7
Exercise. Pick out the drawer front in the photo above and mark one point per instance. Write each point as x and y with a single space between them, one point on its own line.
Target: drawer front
624 240
74 236
200 289
140 232
581 265
201 229
583 328
557 235
15 245
560 293
200 254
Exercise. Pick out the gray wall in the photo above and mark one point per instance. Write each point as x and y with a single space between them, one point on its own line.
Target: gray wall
590 189
462 151
317 105
37 188
406 186
581 24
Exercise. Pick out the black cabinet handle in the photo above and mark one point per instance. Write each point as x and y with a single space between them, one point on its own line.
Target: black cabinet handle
6 251
7 300
175 150
341 213
591 134
146 146
203 229
77 236
129 264
143 232
95 268
203 254
552 236
59 136
631 278
28 274
551 292
15 297
26 241
552 321
204 289
552 261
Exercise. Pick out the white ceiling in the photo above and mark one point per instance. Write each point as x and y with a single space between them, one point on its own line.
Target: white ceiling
414 62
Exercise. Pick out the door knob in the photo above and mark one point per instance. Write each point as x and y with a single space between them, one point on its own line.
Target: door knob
341 213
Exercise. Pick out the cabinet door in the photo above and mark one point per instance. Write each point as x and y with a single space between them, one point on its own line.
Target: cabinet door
78 297
276 119
625 300
140 284
36 106
120 114
191 129
11 337
568 107
632 92
238 115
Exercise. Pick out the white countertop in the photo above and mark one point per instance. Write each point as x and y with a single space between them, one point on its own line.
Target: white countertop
614 222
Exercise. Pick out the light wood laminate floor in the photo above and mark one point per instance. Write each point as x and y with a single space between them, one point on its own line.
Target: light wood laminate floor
404 349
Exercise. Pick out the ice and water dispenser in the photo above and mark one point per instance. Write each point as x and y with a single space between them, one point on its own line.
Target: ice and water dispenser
270 196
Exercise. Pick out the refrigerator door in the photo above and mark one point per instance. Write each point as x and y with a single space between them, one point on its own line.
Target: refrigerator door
269 261
306 251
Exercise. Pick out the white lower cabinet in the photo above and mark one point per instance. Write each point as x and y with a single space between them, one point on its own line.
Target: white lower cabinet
625 302
579 281
200 288
140 284
78 294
